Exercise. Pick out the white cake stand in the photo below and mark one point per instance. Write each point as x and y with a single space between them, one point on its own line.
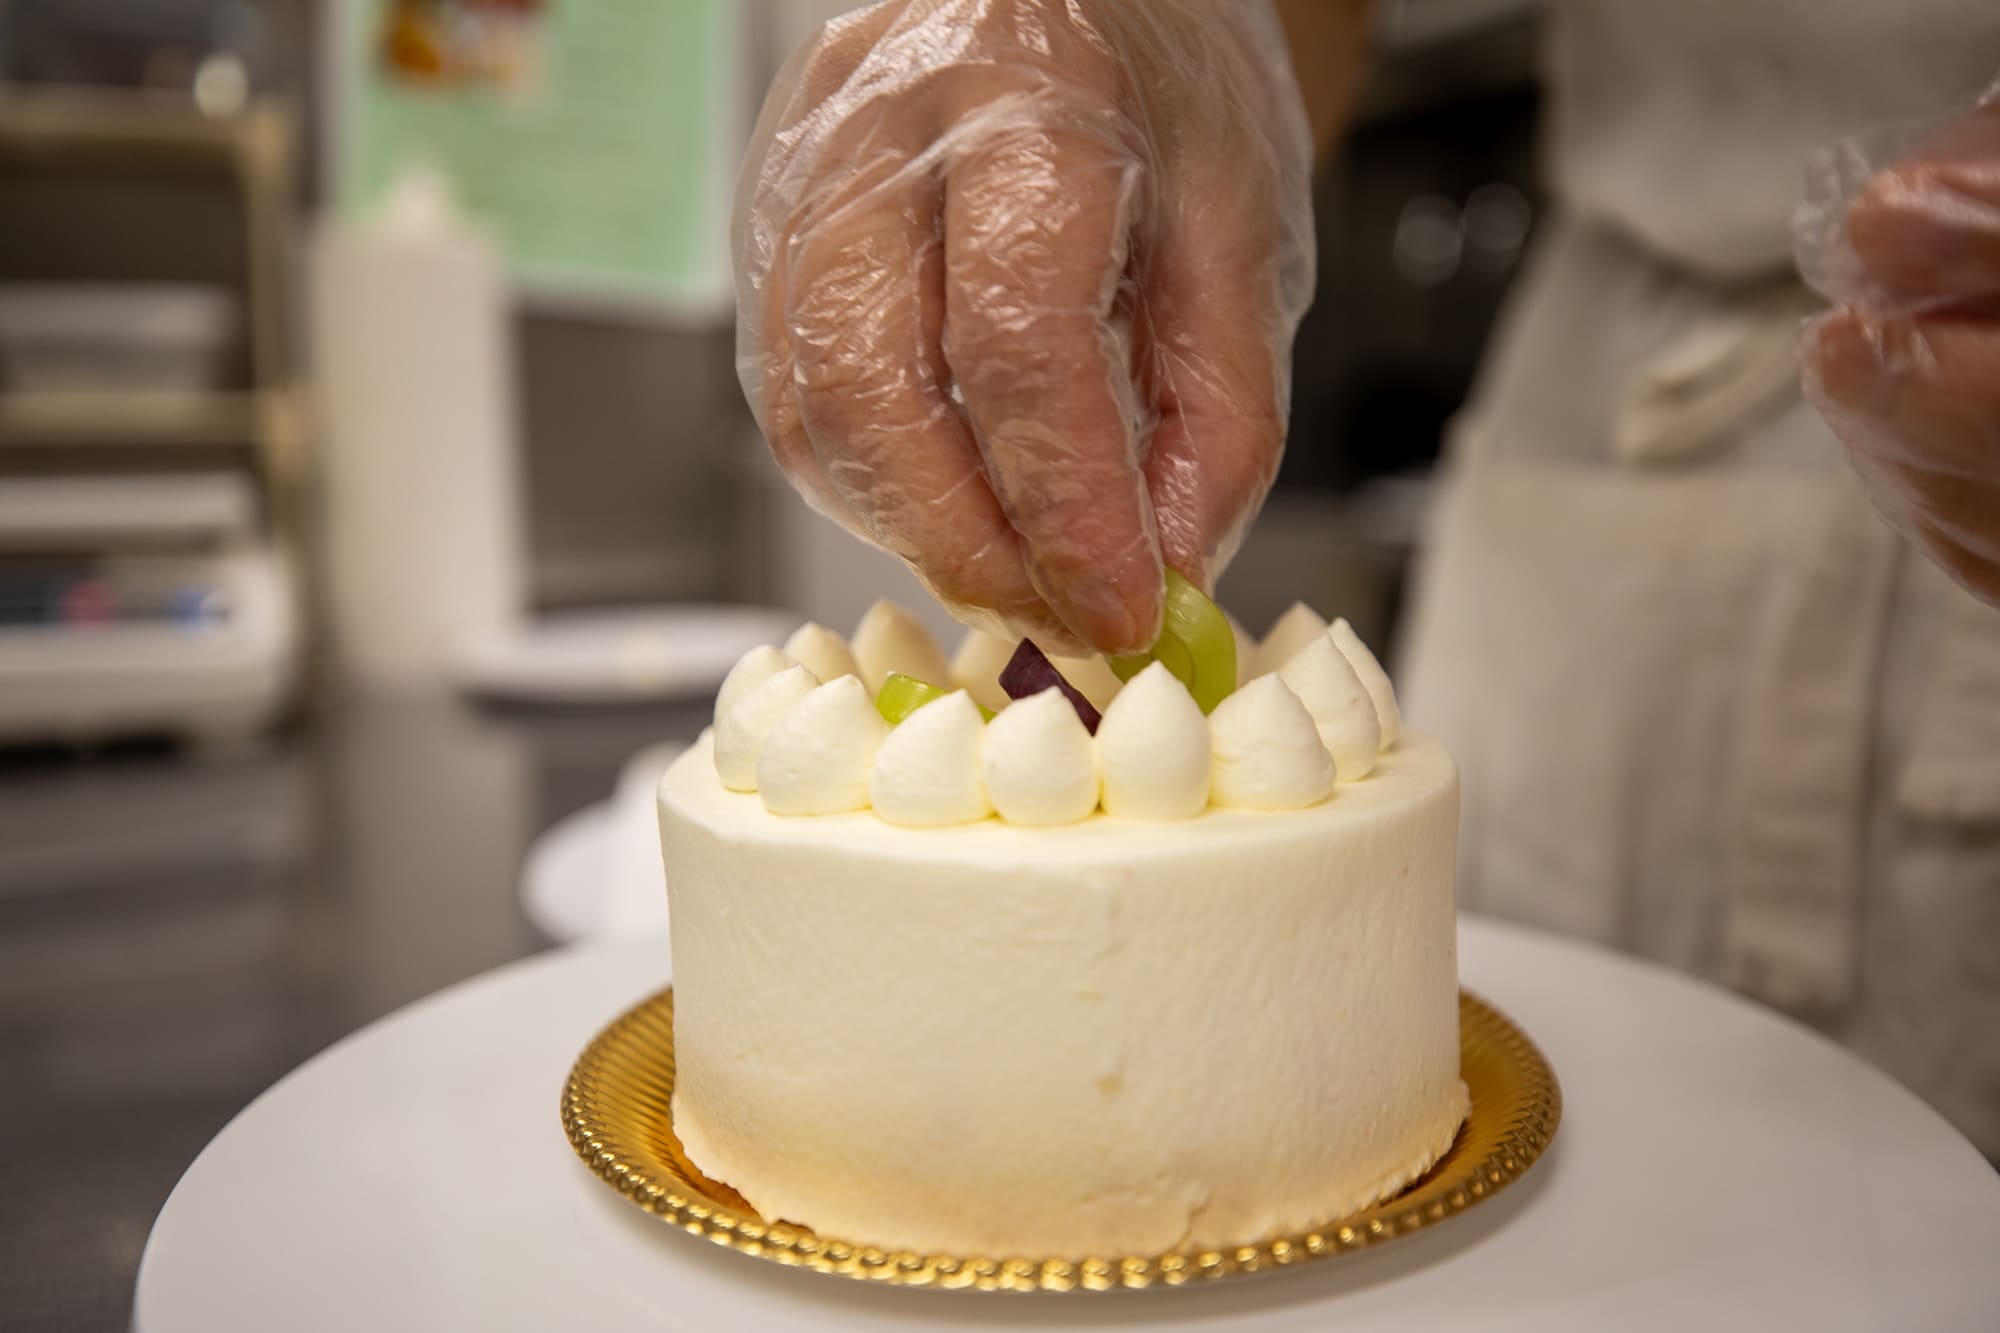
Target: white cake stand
1717 1167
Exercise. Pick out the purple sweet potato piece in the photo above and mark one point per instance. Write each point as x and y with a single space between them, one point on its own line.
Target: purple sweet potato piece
1029 672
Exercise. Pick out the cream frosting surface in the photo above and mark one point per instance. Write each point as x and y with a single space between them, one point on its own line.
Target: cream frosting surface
1333 693
1153 750
927 771
741 732
821 651
1114 1035
751 670
816 760
1267 754
890 639
1373 679
1293 630
976 665
1155 756
1038 764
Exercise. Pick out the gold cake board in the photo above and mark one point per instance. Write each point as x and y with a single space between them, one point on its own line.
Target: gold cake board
616 1112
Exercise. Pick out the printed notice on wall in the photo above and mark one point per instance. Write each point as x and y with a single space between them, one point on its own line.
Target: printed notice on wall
596 139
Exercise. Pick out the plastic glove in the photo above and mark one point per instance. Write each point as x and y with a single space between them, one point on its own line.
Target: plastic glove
1016 288
1906 367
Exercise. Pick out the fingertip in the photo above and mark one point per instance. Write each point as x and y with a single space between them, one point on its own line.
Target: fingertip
1886 225
1111 620
988 587
1843 355
1117 610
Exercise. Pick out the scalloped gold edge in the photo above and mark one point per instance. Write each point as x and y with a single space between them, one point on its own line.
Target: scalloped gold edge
625 1076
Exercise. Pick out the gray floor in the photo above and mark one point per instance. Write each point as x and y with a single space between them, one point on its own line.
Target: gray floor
177 931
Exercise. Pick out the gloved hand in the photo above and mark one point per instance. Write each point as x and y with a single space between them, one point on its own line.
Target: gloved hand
1906 367
1016 288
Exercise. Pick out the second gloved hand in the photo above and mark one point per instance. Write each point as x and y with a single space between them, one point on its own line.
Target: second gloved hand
1907 366
1017 282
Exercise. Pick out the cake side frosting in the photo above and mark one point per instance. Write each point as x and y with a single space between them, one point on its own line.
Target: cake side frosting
1108 1036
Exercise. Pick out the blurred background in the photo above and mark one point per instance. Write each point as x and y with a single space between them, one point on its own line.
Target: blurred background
378 509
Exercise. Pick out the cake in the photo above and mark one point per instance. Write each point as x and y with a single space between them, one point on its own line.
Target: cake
1005 987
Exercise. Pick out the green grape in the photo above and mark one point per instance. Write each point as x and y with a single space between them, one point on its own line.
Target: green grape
903 695
1195 644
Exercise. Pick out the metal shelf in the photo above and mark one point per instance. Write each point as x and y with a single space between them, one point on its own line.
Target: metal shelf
127 131
261 429
168 418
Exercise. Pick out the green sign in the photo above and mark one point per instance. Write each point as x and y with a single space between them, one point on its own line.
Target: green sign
596 139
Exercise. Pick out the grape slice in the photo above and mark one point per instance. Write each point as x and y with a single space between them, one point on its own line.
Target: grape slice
903 695
1195 644
1028 672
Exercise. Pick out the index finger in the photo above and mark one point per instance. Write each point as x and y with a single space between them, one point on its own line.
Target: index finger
863 303
1929 226
1037 223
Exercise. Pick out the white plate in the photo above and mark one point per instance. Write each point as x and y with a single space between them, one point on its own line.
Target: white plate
631 656
598 872
1717 1167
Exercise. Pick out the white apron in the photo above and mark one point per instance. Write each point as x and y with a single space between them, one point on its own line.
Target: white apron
1710 709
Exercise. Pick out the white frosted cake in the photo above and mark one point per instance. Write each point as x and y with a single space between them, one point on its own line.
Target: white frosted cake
1010 988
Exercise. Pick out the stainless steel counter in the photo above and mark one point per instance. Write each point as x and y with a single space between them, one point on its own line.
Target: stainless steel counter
177 931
